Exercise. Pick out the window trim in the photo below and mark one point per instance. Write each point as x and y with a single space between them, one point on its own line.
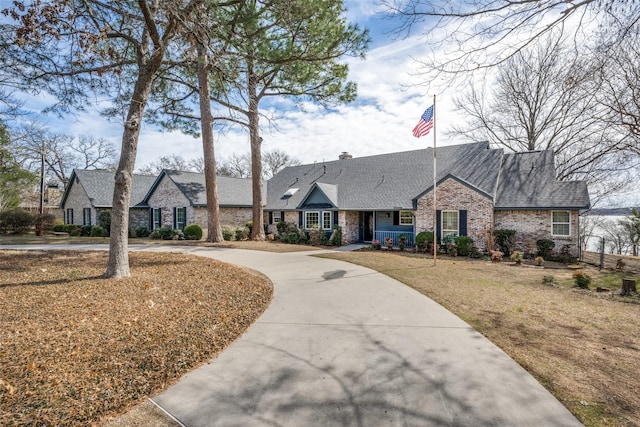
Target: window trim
156 225
276 219
69 216
444 230
183 212
324 220
410 216
554 223
306 219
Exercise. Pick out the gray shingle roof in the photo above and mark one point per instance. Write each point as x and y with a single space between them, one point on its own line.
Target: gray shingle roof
528 181
99 185
387 181
232 192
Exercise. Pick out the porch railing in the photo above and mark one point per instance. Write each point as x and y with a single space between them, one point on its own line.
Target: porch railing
381 235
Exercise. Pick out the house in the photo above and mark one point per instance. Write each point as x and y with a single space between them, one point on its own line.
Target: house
177 199
89 192
478 189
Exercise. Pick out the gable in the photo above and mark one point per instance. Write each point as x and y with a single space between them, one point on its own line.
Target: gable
320 197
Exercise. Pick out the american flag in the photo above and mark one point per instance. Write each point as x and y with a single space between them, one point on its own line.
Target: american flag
425 124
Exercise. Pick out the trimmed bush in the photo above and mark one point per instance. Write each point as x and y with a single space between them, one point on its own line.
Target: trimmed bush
336 236
192 232
545 247
282 227
72 229
505 240
142 232
423 238
16 221
85 230
516 257
166 233
228 232
242 233
582 279
317 236
464 245
97 231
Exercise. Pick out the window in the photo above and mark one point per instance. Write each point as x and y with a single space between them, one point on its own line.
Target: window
277 217
157 219
69 216
450 223
406 218
180 218
86 216
312 219
560 223
326 220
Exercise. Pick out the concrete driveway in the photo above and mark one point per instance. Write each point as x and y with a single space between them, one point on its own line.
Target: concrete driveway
342 345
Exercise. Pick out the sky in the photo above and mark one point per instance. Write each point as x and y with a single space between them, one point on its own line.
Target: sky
388 106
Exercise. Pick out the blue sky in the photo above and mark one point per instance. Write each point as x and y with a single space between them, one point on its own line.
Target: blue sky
380 121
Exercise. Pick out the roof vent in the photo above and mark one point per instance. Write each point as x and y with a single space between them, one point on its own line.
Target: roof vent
345 155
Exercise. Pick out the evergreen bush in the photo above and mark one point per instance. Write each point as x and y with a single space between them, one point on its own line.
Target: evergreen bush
193 232
464 245
505 240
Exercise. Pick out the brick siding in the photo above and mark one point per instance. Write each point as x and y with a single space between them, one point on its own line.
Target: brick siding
453 195
532 225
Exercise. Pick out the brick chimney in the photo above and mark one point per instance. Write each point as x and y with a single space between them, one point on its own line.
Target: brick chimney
345 155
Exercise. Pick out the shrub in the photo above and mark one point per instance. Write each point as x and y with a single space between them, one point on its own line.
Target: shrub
104 220
336 236
549 280
545 246
282 227
376 244
505 240
582 279
423 238
72 229
539 260
249 225
228 232
155 235
464 245
44 223
16 220
292 236
242 233
85 230
516 257
317 236
97 231
166 233
192 232
142 232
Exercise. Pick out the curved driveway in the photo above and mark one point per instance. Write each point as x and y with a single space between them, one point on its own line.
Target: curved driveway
343 345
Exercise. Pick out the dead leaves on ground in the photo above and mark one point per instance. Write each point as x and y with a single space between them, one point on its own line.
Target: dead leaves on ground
75 347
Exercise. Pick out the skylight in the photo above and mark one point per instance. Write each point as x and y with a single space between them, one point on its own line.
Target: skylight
290 192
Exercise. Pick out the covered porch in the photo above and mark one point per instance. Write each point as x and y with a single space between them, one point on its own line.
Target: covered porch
379 225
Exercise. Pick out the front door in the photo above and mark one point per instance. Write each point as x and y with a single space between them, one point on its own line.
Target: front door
366 226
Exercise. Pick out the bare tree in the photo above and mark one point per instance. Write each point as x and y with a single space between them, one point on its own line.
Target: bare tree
615 236
170 162
236 166
480 34
275 160
545 98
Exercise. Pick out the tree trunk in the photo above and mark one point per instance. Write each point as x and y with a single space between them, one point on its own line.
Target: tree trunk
118 265
214 233
257 231
628 287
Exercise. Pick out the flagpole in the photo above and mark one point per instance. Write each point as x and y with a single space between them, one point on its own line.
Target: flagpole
435 211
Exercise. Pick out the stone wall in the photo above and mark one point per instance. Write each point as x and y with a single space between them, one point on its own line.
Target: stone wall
453 195
166 197
349 220
532 225
77 200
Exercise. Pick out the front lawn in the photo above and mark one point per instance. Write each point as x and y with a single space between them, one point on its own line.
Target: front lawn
583 346
75 348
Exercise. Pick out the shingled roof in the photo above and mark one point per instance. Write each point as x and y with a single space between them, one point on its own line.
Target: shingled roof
387 181
232 192
528 181
396 180
99 185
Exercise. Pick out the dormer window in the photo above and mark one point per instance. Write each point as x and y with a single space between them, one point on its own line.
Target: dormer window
290 192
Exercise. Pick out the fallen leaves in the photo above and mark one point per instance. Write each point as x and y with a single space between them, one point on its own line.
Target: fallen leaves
75 348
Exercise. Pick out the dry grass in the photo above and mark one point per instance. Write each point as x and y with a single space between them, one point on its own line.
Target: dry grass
585 349
75 348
